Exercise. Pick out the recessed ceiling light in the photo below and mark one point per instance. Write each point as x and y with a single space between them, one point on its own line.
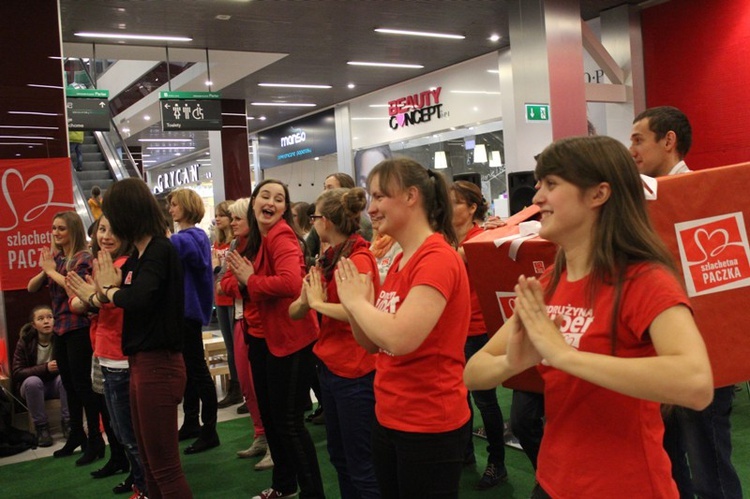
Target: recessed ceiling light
493 71
250 118
38 85
385 65
494 38
125 36
146 117
283 104
30 127
171 148
209 83
292 85
481 92
223 17
351 85
34 113
419 33
165 139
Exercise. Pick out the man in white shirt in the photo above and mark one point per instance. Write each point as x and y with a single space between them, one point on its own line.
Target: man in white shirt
660 139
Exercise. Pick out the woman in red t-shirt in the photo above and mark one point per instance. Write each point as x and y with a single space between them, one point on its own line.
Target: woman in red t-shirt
609 328
469 209
418 323
346 370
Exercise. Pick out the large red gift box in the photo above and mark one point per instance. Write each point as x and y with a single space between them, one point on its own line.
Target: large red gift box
496 258
703 218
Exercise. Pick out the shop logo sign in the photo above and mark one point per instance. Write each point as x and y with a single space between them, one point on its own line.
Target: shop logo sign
507 302
715 254
415 109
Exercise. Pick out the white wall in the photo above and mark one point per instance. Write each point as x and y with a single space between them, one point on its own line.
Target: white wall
304 178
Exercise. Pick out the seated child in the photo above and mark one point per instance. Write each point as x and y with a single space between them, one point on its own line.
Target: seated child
35 370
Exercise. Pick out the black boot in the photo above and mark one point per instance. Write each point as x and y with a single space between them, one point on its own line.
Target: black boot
94 450
112 467
75 439
233 397
191 428
207 440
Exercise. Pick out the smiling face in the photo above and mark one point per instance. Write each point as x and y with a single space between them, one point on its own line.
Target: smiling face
106 239
565 214
43 320
239 225
269 206
386 212
223 220
60 233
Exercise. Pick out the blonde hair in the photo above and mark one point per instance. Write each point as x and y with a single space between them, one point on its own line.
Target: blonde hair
239 208
190 202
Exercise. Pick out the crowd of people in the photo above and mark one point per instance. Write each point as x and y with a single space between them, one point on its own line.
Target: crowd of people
364 296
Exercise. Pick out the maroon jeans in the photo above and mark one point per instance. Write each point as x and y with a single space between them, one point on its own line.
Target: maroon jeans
157 383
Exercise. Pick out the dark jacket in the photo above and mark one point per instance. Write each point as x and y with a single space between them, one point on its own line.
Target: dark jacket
24 358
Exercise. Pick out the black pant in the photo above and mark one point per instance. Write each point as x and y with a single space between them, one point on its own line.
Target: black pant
282 386
428 465
200 386
527 422
73 354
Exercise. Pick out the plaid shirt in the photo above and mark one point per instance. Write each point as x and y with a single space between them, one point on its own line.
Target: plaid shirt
65 319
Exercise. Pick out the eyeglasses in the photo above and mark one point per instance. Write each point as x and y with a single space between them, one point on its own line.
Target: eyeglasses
315 217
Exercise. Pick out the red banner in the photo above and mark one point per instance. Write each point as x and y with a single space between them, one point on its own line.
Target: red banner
33 190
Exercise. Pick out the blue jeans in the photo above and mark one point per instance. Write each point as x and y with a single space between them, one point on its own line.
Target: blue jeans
225 316
350 412
424 465
117 398
492 416
707 438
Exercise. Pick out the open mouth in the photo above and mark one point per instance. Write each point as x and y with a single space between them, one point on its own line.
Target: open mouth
267 212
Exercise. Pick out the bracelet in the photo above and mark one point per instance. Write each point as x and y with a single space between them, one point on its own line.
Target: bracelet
107 288
102 298
91 300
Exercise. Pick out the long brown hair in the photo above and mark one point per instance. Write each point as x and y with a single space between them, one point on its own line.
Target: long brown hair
224 236
403 173
254 239
623 234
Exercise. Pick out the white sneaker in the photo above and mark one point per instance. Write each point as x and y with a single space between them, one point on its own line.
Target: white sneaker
273 494
258 448
264 464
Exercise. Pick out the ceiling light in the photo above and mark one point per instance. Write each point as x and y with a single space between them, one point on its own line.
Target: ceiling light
292 85
126 130
209 83
441 160
495 160
418 33
122 36
165 139
493 71
481 92
30 144
480 153
178 154
351 85
146 117
34 113
26 137
378 105
30 127
385 65
223 17
171 148
250 118
262 118
283 104
494 38
37 85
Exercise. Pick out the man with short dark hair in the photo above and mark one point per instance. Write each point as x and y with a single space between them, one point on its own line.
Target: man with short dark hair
660 139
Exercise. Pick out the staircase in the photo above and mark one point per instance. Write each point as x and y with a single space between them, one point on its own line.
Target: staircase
95 170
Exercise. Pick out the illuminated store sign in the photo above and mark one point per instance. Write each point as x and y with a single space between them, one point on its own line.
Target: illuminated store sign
175 178
415 109
303 139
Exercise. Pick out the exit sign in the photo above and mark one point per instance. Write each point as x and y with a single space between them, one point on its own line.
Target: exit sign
537 112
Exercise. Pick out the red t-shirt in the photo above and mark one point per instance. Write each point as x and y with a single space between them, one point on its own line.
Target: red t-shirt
476 325
599 443
336 345
424 392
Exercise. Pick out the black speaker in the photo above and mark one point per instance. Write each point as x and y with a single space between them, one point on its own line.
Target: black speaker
520 190
473 177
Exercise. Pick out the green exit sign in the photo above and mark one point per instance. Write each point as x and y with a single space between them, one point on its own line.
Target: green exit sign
537 112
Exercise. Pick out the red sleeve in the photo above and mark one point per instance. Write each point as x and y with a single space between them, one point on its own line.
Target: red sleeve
230 285
282 268
649 291
439 269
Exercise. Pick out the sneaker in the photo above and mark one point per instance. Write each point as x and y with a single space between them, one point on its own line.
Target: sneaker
273 494
43 436
258 448
492 476
265 464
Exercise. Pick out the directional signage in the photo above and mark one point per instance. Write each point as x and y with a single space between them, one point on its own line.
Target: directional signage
88 109
190 111
537 112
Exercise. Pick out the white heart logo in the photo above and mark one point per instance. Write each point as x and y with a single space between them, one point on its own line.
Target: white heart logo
36 211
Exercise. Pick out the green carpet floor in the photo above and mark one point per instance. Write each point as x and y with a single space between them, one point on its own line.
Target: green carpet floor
218 473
